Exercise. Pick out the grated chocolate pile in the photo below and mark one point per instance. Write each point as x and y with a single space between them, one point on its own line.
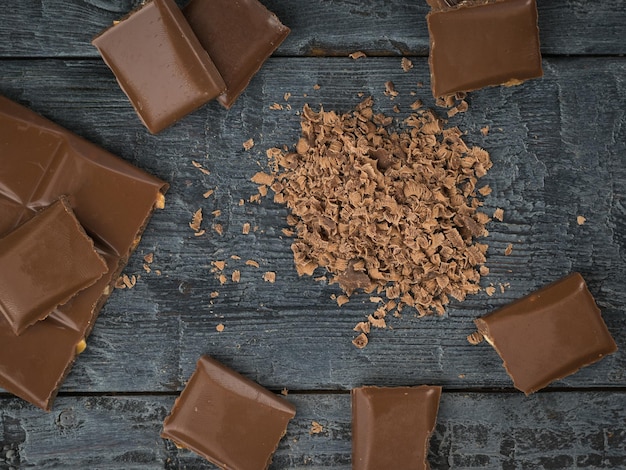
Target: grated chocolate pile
382 211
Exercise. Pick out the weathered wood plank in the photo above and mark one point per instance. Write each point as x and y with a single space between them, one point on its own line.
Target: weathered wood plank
53 28
489 430
558 148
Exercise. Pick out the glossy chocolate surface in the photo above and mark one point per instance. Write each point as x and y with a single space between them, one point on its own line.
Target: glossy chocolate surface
159 64
391 426
478 45
40 162
43 263
239 36
549 334
228 419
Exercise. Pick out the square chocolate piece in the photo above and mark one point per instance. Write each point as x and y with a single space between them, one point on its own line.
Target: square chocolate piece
480 44
113 200
239 36
228 419
549 334
43 263
391 426
159 64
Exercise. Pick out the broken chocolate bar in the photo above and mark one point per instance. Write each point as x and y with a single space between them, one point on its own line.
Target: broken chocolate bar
228 419
43 263
480 44
159 64
548 334
391 426
113 200
239 37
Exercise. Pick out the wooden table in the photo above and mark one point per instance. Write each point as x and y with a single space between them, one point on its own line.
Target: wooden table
558 145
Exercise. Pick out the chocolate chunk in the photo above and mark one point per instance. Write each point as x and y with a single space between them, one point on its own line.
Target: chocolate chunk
40 162
478 45
159 64
391 427
43 263
239 36
549 334
228 419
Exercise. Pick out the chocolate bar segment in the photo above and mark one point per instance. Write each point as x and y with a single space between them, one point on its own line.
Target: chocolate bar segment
480 44
239 36
43 263
548 334
228 419
391 427
113 200
159 64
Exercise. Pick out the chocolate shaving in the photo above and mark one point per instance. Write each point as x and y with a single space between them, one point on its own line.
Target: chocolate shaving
385 211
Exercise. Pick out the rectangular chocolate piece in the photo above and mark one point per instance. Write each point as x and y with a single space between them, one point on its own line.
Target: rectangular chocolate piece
480 44
228 419
391 426
239 36
113 200
159 64
548 334
43 263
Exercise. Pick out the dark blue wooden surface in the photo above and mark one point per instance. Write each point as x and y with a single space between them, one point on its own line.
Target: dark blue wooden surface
558 145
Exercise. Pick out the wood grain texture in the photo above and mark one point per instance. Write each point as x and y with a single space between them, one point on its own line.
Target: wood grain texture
558 152
53 28
509 431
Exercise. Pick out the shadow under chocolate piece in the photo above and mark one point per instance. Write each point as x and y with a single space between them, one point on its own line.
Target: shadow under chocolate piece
159 64
548 334
113 200
228 419
239 36
391 426
43 263
476 45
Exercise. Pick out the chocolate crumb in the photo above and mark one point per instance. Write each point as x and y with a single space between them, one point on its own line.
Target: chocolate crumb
196 220
475 338
360 341
362 327
390 89
357 55
248 144
316 428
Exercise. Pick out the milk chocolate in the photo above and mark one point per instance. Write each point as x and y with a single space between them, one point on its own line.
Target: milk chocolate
480 44
159 64
391 427
43 263
549 334
228 419
239 36
113 200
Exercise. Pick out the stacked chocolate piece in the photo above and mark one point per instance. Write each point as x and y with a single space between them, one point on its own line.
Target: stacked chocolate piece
170 62
70 216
